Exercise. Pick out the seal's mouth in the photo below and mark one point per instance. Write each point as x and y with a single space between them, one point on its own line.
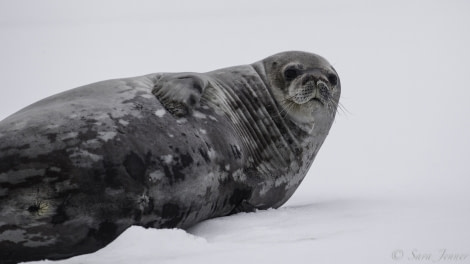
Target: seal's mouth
311 91
317 100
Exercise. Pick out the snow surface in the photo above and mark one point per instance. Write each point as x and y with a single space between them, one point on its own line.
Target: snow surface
392 178
312 229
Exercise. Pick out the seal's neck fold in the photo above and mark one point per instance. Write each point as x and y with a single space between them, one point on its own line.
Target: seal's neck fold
245 100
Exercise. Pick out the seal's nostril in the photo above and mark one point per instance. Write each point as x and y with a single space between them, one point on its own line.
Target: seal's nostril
322 85
323 89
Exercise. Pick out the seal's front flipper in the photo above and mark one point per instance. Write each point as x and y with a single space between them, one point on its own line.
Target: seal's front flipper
243 207
179 93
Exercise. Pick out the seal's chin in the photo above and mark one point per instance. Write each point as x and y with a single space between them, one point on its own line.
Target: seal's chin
302 112
305 100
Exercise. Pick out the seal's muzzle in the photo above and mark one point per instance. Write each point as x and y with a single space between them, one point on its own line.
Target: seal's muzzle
312 90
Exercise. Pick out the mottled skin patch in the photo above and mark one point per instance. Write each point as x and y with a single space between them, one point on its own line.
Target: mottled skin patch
161 150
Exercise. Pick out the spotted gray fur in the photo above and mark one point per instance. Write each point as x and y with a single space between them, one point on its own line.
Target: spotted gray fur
162 150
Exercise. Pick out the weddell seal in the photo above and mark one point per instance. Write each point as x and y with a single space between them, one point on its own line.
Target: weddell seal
163 150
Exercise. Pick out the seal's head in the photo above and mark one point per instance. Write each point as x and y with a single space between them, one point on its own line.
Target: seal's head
305 85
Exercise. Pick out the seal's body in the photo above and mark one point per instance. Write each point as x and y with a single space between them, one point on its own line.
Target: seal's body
162 150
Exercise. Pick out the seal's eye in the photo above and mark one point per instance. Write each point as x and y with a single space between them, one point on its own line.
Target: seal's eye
291 73
333 79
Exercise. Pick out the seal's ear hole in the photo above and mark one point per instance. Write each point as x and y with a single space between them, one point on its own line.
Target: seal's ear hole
197 87
291 73
34 208
332 79
192 100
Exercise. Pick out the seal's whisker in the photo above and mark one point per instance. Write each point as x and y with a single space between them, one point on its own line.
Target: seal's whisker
338 107
288 105
341 108
288 98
